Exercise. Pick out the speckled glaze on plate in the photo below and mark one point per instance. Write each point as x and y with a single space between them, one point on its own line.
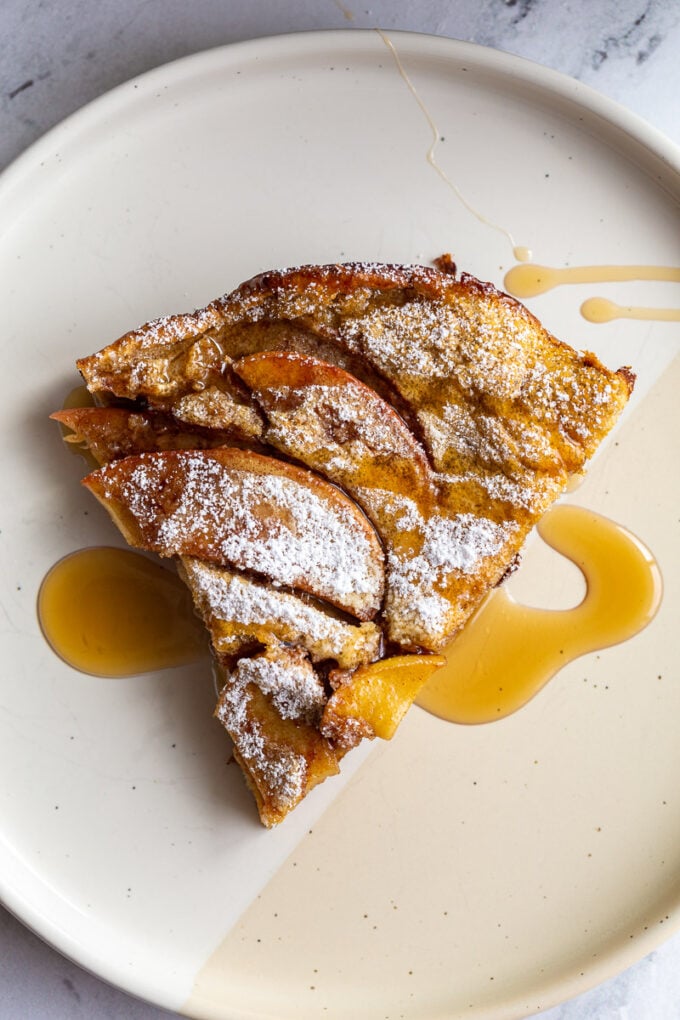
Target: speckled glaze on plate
458 871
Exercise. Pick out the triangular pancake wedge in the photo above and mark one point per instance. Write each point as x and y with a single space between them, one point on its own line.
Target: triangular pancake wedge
344 459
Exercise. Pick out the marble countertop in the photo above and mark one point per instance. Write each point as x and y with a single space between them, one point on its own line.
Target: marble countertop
57 57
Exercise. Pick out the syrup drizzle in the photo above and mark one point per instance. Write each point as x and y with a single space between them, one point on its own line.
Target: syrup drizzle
530 280
113 612
508 652
599 309
348 14
520 252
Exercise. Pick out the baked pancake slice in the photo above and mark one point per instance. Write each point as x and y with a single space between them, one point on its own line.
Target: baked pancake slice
271 706
242 613
237 508
415 424
110 433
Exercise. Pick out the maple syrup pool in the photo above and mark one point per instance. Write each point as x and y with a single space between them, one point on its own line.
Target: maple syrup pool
114 612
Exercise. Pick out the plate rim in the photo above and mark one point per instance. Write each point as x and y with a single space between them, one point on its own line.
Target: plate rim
499 61
122 99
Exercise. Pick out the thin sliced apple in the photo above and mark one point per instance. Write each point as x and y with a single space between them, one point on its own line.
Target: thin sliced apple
240 509
241 612
376 697
114 432
321 415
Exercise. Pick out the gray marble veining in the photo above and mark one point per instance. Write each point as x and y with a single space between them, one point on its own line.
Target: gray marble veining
55 58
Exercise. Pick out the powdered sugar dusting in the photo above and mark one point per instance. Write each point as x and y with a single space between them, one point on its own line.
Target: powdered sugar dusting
502 489
423 575
243 603
288 678
268 523
456 543
346 412
169 329
461 542
279 771
417 338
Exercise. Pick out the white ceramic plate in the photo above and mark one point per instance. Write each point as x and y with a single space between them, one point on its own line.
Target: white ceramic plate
478 872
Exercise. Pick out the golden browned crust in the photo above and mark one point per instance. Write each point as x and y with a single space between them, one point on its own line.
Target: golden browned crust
372 320
275 732
241 509
110 433
242 613
438 403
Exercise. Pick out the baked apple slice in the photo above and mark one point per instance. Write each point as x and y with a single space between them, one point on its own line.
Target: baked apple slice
439 562
372 701
242 613
240 509
110 433
320 414
271 705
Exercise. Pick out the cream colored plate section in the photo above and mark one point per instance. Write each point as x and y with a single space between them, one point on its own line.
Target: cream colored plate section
123 838
491 871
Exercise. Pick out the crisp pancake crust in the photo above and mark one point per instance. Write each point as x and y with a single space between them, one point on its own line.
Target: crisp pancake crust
439 411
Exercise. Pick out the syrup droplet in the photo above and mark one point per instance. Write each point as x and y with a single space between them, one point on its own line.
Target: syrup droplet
531 279
575 481
508 652
599 309
113 612
521 253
